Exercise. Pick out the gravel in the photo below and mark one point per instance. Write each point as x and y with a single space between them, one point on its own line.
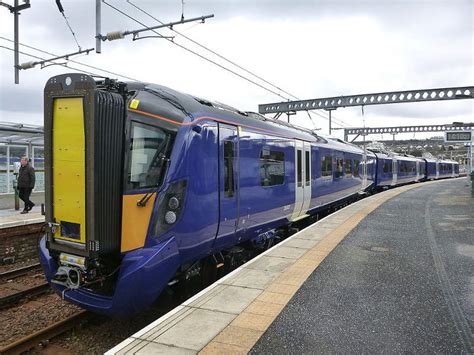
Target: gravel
8 267
102 333
32 315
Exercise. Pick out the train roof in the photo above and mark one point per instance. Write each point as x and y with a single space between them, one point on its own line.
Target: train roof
391 155
434 160
336 143
183 107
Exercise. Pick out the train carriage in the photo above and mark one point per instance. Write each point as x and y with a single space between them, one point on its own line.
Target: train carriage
440 169
408 169
447 169
148 187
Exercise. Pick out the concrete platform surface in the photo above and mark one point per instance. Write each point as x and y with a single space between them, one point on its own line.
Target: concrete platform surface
277 303
402 281
12 218
7 201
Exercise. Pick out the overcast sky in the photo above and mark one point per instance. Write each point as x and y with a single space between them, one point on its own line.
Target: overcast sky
310 49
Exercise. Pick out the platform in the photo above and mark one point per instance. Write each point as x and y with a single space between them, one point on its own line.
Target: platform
12 218
390 273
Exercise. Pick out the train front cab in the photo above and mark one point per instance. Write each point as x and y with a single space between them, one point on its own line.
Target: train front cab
91 251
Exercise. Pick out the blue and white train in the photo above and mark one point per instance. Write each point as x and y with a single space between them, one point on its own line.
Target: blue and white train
147 186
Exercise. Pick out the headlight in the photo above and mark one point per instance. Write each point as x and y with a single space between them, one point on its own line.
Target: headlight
170 217
170 207
173 203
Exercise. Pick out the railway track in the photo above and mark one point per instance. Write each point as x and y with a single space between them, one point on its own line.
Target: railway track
53 334
22 292
11 274
42 337
8 300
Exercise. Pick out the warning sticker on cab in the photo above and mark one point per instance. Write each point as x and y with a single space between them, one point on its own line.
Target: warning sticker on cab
134 104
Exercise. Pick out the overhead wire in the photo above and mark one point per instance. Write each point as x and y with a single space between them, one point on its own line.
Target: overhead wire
311 118
335 120
61 10
80 63
73 61
195 53
61 64
181 46
212 51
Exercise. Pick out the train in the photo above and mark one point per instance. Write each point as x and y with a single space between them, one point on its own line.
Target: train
147 187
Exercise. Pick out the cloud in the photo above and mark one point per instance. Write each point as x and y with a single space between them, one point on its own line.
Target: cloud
309 48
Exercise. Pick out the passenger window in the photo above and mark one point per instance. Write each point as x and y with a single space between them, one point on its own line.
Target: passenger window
326 166
272 167
386 167
299 168
228 168
308 171
148 149
356 168
338 172
348 167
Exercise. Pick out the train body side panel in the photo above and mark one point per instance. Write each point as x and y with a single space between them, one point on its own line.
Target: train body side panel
195 160
343 181
430 169
406 170
385 172
264 205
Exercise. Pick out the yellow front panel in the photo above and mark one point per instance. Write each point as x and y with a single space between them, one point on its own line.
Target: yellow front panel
69 191
135 221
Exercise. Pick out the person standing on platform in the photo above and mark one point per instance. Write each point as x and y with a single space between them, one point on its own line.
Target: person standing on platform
26 183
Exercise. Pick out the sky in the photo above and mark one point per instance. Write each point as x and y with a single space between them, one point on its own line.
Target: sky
310 49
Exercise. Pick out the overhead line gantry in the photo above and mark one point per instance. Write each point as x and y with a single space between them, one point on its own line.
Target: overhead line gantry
357 131
382 98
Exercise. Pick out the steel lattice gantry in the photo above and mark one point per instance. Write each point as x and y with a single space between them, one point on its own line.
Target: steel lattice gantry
382 98
406 129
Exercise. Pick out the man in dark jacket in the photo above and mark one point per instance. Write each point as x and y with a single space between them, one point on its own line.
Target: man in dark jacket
26 183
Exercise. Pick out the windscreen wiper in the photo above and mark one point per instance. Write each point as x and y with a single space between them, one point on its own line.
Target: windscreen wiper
162 157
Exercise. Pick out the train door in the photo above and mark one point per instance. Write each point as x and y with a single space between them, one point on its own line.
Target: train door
306 177
394 171
364 171
302 179
229 197
437 170
417 170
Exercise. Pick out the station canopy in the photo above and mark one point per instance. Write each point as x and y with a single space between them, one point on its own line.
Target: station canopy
20 133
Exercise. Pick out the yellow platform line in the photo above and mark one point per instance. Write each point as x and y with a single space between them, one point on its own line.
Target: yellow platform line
245 330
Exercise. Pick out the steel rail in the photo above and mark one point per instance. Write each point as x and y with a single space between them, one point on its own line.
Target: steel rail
30 292
42 336
11 274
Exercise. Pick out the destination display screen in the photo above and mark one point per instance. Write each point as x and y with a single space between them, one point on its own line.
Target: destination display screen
458 136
